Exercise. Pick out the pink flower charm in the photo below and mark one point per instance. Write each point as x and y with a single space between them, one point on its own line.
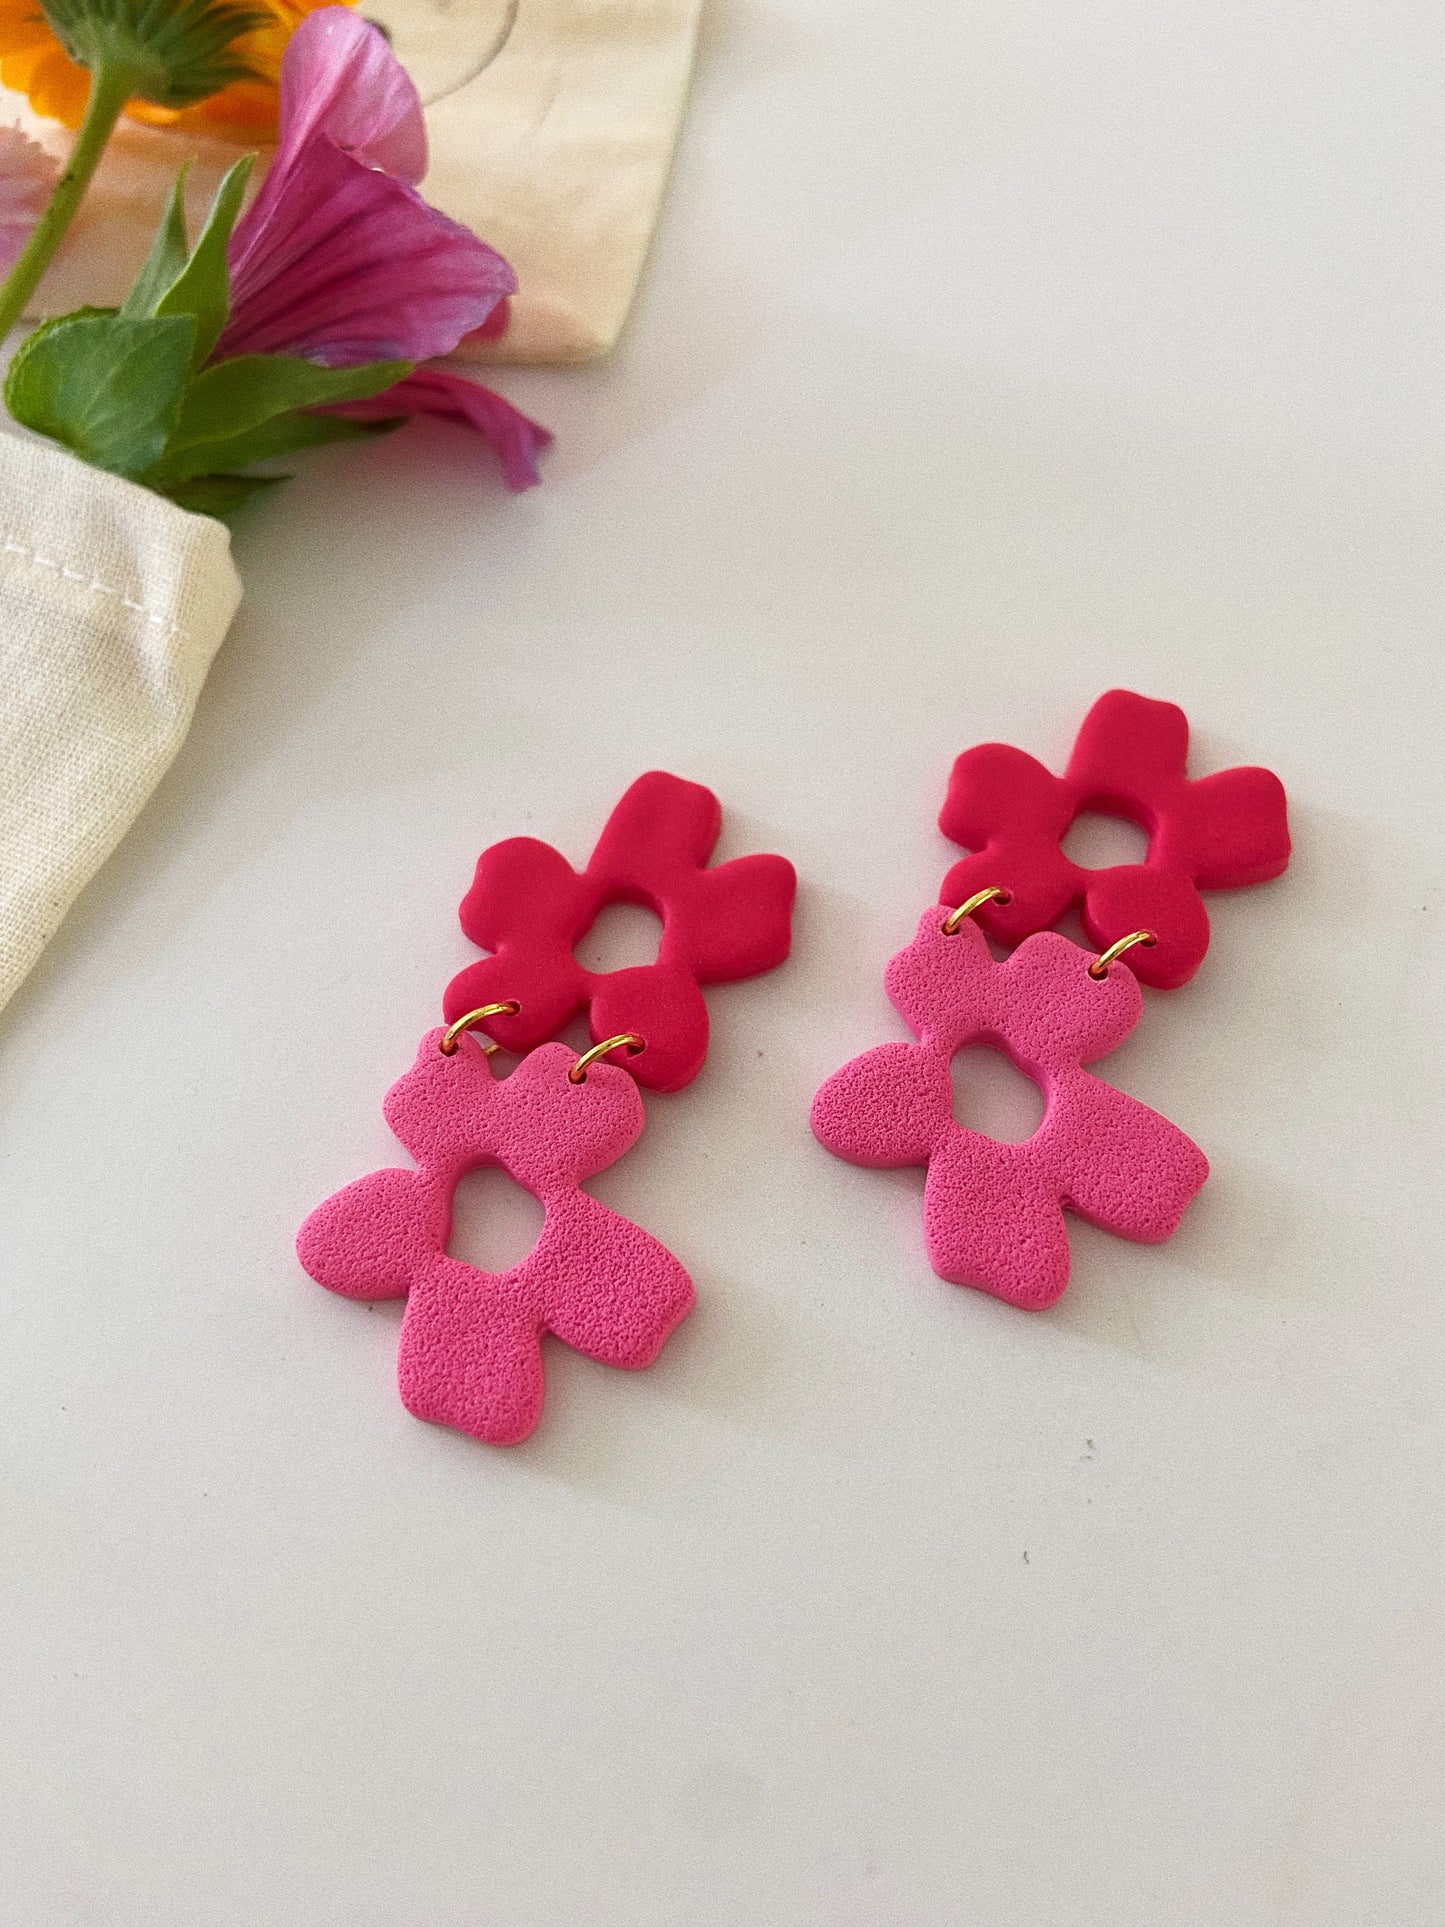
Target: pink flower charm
993 1213
529 907
1213 834
470 1353
340 260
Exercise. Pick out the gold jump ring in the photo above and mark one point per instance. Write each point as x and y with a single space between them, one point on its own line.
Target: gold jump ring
629 1038
954 920
448 1045
1099 968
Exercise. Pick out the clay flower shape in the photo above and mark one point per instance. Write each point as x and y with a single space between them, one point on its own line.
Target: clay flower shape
1129 760
993 1214
27 179
470 1354
340 260
529 907
34 62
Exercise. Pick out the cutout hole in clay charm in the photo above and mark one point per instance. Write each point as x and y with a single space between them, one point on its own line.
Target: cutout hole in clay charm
624 936
1099 842
496 1222
992 1096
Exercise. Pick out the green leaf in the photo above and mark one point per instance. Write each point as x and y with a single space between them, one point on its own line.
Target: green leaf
282 435
203 287
232 397
108 386
167 256
220 495
58 321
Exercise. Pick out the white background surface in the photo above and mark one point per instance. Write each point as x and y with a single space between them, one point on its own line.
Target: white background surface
991 355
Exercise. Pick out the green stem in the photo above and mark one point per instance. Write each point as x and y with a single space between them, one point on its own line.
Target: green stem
110 89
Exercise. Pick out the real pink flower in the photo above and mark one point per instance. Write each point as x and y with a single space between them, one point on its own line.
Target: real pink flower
27 180
452 398
340 260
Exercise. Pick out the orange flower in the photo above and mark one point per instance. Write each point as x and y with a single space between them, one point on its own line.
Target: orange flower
33 62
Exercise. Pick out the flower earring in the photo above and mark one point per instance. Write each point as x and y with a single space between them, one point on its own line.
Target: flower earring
470 1349
993 1213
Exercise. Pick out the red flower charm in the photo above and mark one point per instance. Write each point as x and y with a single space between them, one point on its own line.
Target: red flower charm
1213 834
529 907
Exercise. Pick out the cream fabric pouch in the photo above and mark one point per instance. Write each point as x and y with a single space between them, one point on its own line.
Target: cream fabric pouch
113 603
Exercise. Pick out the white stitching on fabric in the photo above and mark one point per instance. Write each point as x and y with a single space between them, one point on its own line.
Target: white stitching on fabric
99 588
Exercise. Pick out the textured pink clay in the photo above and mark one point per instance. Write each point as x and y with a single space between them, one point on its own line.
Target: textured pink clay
993 1213
470 1353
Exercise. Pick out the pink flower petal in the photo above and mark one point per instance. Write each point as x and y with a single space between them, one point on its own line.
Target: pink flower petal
661 1003
1123 1166
736 919
368 1240
468 1359
1234 827
496 323
523 888
1039 878
1059 1016
340 79
355 266
613 1292
570 1131
943 985
1010 810
1147 896
661 824
729 922
992 1218
339 259
444 1110
891 1106
528 906
433 391
1138 734
994 788
27 180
